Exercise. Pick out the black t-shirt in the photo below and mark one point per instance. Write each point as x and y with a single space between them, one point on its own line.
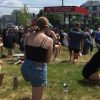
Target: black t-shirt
10 40
92 66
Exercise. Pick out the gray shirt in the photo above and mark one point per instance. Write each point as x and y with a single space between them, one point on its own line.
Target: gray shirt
75 37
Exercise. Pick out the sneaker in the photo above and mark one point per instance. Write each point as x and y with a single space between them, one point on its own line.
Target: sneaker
80 54
75 61
56 59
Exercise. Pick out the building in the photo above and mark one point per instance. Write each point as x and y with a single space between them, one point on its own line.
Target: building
93 6
5 19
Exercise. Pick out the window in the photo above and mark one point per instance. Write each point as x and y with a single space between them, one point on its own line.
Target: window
90 8
94 8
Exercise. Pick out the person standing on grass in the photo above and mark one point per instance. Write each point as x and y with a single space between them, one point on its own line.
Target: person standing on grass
57 47
75 38
9 42
97 36
65 38
87 42
52 35
56 44
38 50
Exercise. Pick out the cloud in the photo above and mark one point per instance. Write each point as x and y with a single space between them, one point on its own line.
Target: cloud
17 4
34 10
42 0
12 3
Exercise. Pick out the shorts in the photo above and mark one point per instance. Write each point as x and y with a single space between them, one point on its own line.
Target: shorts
34 72
74 49
97 41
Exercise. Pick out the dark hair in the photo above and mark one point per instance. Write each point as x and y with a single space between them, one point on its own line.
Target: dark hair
10 30
86 29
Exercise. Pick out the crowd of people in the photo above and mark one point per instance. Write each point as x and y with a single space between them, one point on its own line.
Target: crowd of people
38 42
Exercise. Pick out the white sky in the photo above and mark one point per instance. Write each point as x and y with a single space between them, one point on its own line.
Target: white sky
35 4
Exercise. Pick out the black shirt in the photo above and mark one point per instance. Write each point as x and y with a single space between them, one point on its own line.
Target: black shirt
38 54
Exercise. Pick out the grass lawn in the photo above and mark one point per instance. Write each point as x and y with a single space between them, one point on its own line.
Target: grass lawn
58 73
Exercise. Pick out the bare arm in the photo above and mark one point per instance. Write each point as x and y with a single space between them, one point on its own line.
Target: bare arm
49 52
49 56
82 44
54 37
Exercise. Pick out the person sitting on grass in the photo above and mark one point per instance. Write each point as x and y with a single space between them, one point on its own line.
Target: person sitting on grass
91 69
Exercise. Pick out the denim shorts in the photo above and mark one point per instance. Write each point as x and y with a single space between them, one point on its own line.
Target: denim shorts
34 72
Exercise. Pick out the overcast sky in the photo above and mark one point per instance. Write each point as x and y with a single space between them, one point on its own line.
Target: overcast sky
34 5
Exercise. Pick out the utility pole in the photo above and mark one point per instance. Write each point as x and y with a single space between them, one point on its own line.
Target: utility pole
25 11
0 14
64 12
62 2
16 17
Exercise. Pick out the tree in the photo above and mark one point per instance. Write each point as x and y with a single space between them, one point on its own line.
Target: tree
54 18
41 13
15 14
22 16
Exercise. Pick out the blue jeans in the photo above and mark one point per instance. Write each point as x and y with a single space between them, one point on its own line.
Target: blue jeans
34 72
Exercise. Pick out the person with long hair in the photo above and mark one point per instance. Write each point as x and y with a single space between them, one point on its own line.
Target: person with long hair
38 50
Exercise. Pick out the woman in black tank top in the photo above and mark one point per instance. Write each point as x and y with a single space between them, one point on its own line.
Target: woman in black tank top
37 54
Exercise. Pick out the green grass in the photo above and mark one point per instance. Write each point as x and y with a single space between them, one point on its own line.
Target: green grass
58 73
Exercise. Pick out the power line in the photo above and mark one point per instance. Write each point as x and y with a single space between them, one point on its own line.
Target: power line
28 5
21 7
32 6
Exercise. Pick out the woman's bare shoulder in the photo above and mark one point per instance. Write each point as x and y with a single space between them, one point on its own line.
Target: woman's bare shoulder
45 36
